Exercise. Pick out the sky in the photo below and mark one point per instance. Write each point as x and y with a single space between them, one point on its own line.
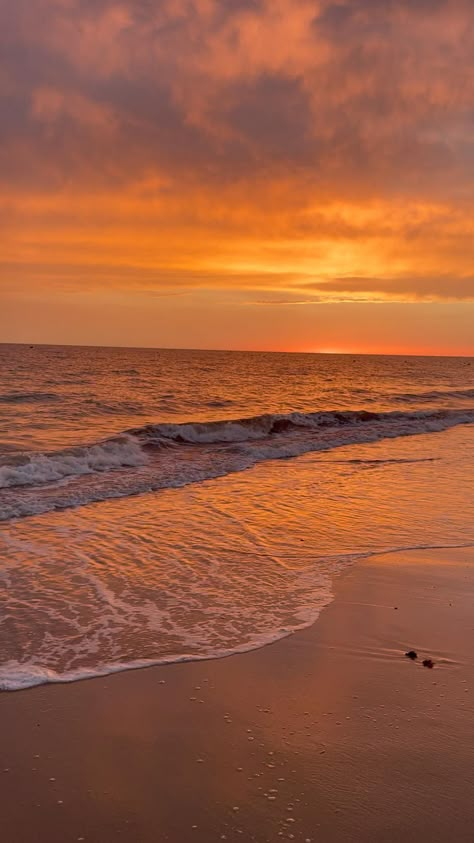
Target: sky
245 174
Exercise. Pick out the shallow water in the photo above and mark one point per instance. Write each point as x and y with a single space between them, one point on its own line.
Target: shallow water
235 546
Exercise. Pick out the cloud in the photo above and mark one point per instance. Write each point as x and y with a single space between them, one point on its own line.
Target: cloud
447 288
49 106
266 144
361 96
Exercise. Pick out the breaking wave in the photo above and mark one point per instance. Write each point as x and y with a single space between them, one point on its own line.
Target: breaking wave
277 425
162 456
39 469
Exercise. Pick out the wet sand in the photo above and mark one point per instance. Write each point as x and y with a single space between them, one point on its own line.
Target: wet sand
328 735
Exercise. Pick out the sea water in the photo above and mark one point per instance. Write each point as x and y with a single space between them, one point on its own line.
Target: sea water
160 505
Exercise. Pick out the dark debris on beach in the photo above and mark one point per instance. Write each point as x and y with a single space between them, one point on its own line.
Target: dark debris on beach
413 655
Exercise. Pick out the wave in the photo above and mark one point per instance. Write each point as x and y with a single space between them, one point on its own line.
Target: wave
160 456
219 403
39 469
114 408
27 397
277 425
434 395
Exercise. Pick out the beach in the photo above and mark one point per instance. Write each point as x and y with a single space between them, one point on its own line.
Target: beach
329 734
236 421
208 588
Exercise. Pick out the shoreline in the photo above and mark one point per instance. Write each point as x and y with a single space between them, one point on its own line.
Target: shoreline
83 675
327 734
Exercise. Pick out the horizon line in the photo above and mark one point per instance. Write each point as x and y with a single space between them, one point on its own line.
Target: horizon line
240 350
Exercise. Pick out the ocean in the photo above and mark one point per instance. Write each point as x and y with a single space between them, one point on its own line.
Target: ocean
165 505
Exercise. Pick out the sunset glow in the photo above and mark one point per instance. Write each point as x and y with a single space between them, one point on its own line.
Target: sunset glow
253 174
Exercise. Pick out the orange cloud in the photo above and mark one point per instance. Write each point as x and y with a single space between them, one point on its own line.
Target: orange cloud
311 150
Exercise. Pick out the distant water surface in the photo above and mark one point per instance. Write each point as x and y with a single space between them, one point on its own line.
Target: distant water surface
158 505
53 396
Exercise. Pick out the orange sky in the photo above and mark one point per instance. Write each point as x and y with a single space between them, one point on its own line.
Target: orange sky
267 174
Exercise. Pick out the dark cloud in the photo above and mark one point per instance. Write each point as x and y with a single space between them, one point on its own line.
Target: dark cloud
444 287
272 115
368 96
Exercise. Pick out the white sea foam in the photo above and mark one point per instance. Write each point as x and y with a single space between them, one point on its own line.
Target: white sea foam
302 598
16 676
37 469
276 425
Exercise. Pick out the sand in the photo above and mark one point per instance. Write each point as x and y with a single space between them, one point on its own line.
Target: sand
328 735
